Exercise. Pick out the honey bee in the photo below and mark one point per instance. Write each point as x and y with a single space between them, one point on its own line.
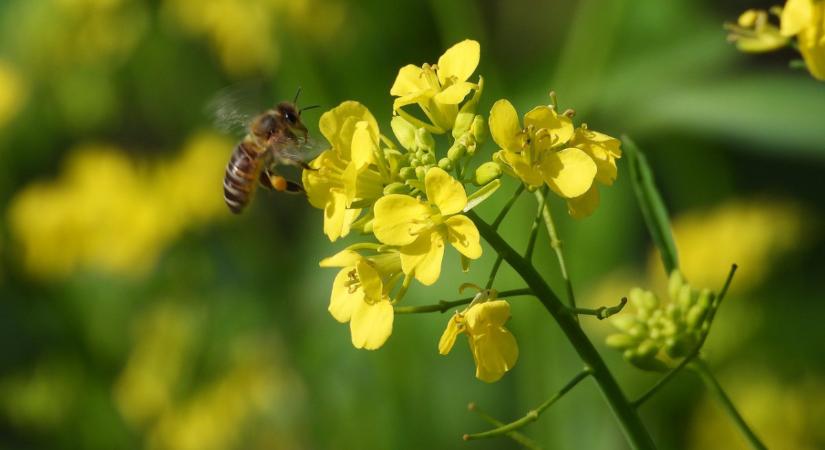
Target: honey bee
275 137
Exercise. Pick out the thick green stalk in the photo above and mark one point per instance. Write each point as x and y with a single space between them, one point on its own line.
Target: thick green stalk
632 426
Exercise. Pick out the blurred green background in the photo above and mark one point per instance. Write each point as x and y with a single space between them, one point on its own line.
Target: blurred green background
136 312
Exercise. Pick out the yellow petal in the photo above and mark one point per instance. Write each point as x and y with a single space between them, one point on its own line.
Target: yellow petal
410 79
344 258
463 235
371 324
423 257
398 219
342 302
525 172
364 145
444 191
337 218
370 281
560 127
338 124
603 149
488 314
504 125
454 94
569 172
584 205
404 132
459 61
796 16
454 328
495 353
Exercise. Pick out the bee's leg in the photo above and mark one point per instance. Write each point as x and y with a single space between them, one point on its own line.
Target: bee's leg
279 183
294 161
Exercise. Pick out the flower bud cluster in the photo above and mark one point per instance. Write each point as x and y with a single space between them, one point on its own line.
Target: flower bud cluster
662 331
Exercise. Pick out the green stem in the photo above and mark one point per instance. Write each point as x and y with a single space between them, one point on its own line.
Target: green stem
701 368
603 312
534 231
500 217
444 305
632 426
492 278
514 435
531 415
555 243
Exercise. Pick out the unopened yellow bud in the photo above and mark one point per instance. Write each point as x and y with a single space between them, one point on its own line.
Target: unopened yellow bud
621 341
479 129
456 151
445 164
424 140
395 188
487 172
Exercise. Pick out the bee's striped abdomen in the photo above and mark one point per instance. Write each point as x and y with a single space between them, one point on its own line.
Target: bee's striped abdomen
241 177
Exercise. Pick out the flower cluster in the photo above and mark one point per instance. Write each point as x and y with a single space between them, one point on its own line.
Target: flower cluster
411 194
662 330
802 19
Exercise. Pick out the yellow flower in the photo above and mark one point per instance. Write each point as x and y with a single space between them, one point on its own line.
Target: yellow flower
494 348
346 172
547 149
420 227
753 33
438 89
806 20
360 295
604 150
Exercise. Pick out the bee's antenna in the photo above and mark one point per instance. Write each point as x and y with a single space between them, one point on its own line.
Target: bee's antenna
296 95
306 108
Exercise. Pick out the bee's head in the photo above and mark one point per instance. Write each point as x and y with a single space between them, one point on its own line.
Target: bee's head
290 117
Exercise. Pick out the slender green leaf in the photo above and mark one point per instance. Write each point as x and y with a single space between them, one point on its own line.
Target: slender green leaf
650 202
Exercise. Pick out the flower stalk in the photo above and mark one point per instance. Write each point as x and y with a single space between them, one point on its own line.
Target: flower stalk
632 426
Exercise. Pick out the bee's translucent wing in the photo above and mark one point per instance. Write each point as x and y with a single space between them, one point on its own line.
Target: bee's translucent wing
301 149
233 107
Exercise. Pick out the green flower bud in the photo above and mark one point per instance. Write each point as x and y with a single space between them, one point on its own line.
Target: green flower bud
419 154
420 171
395 188
445 164
428 159
676 348
414 162
407 173
621 341
479 129
424 140
685 297
623 322
456 151
486 173
367 228
675 283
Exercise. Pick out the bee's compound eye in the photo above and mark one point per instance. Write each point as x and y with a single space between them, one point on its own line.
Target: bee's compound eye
290 117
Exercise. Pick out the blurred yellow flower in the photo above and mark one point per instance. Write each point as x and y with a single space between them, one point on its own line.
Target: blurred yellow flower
146 386
547 149
753 33
750 233
107 213
360 295
420 227
787 414
344 173
805 19
158 395
494 348
438 89
12 92
244 34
